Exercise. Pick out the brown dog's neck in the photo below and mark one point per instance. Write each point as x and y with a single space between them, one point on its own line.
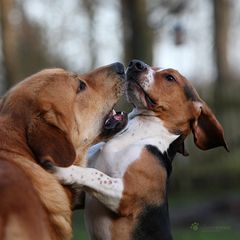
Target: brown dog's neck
81 155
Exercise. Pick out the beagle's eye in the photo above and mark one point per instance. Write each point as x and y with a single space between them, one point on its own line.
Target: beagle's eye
170 78
81 86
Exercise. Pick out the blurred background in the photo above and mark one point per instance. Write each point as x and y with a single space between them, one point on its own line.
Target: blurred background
200 38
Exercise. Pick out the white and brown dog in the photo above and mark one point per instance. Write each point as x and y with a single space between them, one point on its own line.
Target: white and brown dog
127 184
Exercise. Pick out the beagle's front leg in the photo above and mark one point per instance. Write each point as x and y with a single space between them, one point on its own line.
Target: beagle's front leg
107 190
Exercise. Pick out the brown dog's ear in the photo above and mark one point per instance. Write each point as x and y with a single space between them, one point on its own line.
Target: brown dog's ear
49 143
207 131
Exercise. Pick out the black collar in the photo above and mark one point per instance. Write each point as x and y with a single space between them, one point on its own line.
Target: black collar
175 147
167 157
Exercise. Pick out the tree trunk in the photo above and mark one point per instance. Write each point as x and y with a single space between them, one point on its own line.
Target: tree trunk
138 37
221 26
90 7
9 42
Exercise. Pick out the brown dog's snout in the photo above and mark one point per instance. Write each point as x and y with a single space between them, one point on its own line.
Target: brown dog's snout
137 66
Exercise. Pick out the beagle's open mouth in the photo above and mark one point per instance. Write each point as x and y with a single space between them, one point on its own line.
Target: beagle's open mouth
150 103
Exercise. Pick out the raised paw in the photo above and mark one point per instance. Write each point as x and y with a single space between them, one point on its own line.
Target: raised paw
64 175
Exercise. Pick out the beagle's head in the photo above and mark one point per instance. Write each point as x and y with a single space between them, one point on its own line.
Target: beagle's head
62 113
167 94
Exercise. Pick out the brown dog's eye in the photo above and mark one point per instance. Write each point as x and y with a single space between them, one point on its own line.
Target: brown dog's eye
170 78
81 87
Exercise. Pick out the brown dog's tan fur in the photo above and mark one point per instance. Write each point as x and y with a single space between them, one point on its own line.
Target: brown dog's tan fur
48 118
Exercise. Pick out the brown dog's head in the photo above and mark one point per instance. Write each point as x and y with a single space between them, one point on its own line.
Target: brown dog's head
62 113
169 96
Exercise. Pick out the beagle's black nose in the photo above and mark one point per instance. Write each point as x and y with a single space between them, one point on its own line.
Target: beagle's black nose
137 65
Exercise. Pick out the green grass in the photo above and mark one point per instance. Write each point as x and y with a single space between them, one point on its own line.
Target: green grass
79 231
213 232
220 228
206 234
181 234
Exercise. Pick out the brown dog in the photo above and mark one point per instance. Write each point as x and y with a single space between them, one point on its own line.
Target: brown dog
51 116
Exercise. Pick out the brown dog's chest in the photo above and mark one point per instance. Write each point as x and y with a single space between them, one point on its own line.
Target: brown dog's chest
53 199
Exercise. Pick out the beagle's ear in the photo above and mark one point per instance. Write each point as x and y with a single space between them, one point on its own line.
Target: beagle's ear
49 143
207 131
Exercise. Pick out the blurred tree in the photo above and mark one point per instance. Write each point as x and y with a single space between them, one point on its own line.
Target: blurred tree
23 47
90 8
138 36
9 41
221 27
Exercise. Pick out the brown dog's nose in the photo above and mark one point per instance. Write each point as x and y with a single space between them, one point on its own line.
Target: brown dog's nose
137 65
118 68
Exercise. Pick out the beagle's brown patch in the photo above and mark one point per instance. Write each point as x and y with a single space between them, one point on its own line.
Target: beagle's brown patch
173 95
144 173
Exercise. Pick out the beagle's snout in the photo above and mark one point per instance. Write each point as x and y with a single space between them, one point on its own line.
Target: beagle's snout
137 66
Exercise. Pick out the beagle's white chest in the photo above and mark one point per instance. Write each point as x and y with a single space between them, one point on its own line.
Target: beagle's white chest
114 157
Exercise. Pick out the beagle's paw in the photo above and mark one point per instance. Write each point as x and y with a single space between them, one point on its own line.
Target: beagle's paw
65 175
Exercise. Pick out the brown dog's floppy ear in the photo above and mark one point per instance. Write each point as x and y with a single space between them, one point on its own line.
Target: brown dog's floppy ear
207 131
49 143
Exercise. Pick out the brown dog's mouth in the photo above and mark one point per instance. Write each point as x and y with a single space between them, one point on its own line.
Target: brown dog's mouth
114 123
114 118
